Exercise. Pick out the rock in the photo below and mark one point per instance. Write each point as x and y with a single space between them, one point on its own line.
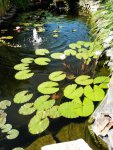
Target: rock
79 144
42 141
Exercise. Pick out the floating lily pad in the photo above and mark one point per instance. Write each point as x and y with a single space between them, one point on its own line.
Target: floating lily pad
57 55
6 37
70 52
21 66
12 134
68 109
2 118
79 55
42 61
27 109
41 52
4 104
53 112
27 60
71 91
22 97
6 128
56 31
41 29
104 85
43 103
57 76
95 94
18 148
48 87
36 125
83 80
22 75
101 79
86 109
55 35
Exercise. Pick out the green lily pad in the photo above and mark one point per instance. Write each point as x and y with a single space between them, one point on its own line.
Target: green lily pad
21 66
12 134
79 55
2 118
48 87
86 109
36 125
70 52
83 80
43 103
41 29
22 75
68 110
57 76
42 61
101 79
41 52
4 104
95 94
6 128
27 109
56 31
55 35
71 91
22 97
54 113
104 85
27 61
57 55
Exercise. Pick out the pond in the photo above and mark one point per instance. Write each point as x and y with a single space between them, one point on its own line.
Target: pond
56 33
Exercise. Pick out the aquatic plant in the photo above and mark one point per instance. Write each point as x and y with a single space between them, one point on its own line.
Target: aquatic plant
78 97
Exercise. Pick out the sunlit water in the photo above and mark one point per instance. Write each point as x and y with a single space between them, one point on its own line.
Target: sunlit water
10 56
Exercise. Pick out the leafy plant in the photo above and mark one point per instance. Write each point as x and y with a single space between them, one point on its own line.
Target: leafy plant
57 76
83 80
41 52
42 61
24 74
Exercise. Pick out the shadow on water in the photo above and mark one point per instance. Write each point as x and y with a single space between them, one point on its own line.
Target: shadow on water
9 86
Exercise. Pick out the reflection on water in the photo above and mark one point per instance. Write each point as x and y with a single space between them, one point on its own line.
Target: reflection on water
71 30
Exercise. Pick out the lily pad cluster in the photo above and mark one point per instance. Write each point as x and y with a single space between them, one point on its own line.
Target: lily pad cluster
5 128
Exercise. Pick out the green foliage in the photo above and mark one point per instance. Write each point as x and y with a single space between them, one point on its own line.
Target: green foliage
57 55
18 148
71 91
83 80
12 134
6 128
24 74
27 109
101 79
27 60
70 52
22 97
41 52
21 66
95 94
42 61
48 87
36 125
57 76
4 104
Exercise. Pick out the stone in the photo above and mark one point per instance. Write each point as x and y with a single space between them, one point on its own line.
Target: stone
79 144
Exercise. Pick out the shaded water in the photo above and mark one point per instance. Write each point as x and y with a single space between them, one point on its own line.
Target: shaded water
10 56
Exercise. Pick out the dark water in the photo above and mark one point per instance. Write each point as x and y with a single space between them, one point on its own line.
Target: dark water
10 56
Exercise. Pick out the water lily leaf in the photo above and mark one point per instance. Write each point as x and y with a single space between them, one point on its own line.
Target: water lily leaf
27 61
22 97
56 31
22 75
12 134
41 29
104 85
57 55
6 128
83 80
55 35
4 104
57 76
18 148
71 91
86 109
83 50
6 37
2 118
73 46
27 109
41 52
70 52
79 55
42 61
95 94
68 109
54 113
42 103
21 66
48 87
101 79
36 125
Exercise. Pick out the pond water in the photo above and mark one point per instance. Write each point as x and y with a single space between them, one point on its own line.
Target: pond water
21 46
